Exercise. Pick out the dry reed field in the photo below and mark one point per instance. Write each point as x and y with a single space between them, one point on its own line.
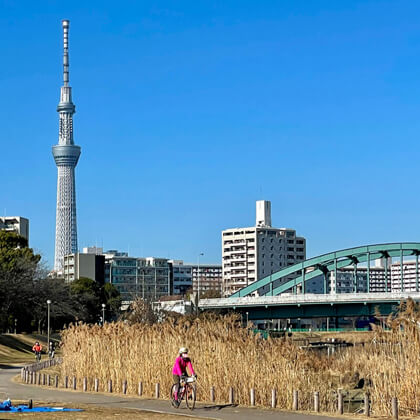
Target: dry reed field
224 354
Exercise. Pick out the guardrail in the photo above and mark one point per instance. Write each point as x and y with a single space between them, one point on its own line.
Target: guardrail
290 299
35 367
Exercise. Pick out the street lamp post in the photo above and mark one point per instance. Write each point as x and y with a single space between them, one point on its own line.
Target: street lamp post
247 313
48 323
198 278
103 314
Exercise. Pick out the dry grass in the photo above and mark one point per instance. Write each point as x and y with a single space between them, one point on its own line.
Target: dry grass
224 354
391 363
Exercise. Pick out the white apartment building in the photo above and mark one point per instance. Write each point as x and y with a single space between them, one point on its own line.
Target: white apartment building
252 253
17 224
410 276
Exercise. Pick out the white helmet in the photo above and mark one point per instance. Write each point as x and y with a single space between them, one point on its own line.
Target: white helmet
183 350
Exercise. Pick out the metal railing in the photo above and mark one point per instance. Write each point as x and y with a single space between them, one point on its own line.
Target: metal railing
290 299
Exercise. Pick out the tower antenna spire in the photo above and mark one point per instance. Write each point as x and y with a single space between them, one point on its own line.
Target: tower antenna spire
66 25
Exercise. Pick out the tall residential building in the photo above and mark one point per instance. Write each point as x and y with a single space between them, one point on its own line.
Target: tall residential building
66 155
17 224
148 278
187 277
252 253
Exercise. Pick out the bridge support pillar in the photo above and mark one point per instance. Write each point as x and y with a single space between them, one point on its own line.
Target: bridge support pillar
402 269
355 278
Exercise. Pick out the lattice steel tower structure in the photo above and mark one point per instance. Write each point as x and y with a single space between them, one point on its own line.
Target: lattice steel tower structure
66 154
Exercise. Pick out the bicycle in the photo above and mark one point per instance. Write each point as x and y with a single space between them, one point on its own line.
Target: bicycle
187 390
38 356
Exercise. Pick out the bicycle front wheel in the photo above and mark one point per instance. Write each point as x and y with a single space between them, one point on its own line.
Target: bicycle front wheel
172 394
190 396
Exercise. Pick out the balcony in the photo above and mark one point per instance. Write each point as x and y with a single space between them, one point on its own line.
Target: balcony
238 276
238 258
235 250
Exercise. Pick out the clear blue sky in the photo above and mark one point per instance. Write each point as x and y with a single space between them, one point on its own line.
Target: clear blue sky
189 111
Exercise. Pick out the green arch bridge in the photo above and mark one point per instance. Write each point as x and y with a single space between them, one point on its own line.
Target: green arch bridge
270 298
272 285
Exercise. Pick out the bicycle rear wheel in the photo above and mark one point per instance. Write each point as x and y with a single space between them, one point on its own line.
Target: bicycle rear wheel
174 402
190 396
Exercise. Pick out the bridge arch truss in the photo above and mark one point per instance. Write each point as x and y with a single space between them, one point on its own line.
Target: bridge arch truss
275 284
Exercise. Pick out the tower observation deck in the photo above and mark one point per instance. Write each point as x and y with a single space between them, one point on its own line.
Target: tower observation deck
66 155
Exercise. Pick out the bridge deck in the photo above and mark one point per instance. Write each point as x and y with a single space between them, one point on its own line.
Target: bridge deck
307 299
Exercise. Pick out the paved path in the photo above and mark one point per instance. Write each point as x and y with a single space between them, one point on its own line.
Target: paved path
18 391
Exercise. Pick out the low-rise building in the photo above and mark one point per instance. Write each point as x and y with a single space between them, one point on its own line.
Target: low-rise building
351 280
207 277
80 265
190 277
181 277
17 224
148 278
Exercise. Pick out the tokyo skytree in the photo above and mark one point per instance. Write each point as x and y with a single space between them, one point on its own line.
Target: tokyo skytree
66 154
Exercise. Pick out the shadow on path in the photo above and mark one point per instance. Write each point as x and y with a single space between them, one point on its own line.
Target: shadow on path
217 406
6 366
14 343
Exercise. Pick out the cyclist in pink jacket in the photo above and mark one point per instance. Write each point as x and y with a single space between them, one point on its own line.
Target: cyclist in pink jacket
182 363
